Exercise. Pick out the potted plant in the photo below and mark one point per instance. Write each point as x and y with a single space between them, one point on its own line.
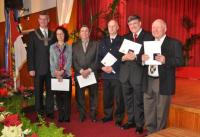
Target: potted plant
190 39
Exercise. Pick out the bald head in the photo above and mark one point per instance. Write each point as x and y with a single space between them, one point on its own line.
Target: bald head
159 28
113 27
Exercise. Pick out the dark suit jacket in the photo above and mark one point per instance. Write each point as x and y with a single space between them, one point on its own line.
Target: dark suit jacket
133 70
82 60
106 46
38 53
172 50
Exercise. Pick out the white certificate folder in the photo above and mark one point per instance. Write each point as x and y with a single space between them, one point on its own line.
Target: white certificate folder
151 48
60 86
130 45
83 82
108 60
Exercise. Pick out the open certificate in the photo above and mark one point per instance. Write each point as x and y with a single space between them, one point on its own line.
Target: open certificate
109 60
83 82
60 86
151 48
130 45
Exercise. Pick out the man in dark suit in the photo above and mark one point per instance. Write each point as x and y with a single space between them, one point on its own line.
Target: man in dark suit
39 65
110 75
131 76
161 79
84 56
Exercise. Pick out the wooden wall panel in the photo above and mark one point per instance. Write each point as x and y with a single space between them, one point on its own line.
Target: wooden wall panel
184 117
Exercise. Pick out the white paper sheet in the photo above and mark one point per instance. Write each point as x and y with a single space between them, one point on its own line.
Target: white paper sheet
83 82
59 86
151 48
109 60
130 45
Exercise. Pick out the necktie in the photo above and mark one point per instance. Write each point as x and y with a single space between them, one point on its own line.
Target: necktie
45 34
152 69
135 37
111 40
85 46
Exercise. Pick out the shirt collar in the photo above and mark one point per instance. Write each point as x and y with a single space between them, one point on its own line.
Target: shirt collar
138 33
42 30
113 37
161 39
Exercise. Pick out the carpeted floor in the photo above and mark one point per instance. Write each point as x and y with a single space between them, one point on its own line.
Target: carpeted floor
89 129
187 93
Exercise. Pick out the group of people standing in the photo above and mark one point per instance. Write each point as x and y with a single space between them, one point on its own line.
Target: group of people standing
134 88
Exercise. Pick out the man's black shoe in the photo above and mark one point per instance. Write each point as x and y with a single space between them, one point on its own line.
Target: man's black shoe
82 118
118 123
139 130
66 120
104 120
94 120
51 116
128 125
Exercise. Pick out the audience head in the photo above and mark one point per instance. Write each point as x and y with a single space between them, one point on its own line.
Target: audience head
134 23
61 34
43 19
159 28
84 33
113 27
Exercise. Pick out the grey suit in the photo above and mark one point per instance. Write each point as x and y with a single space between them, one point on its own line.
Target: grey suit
131 73
85 60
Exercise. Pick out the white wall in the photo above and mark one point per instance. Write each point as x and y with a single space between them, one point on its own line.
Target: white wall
38 5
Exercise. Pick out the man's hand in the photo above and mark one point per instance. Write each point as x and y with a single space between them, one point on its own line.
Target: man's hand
107 69
85 73
145 57
129 56
160 58
32 73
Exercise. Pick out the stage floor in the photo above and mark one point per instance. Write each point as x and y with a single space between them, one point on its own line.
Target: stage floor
187 93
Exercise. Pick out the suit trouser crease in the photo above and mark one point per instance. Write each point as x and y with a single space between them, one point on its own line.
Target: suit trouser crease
156 107
39 82
80 99
113 91
133 98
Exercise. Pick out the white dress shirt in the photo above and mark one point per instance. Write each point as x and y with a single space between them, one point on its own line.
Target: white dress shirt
44 31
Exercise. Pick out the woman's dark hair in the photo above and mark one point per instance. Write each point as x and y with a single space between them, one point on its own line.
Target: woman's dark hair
66 34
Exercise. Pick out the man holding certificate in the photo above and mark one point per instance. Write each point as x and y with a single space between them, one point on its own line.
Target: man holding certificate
109 59
84 54
131 76
60 66
160 78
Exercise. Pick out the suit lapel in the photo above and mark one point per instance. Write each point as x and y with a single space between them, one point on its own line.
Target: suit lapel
140 37
164 44
40 33
49 33
80 47
88 47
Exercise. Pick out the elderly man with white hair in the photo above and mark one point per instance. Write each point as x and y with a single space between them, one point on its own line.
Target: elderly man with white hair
160 84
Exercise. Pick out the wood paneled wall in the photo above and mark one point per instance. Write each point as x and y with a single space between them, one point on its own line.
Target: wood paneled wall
184 117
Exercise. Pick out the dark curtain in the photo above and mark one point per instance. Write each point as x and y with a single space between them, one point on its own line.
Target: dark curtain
172 11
